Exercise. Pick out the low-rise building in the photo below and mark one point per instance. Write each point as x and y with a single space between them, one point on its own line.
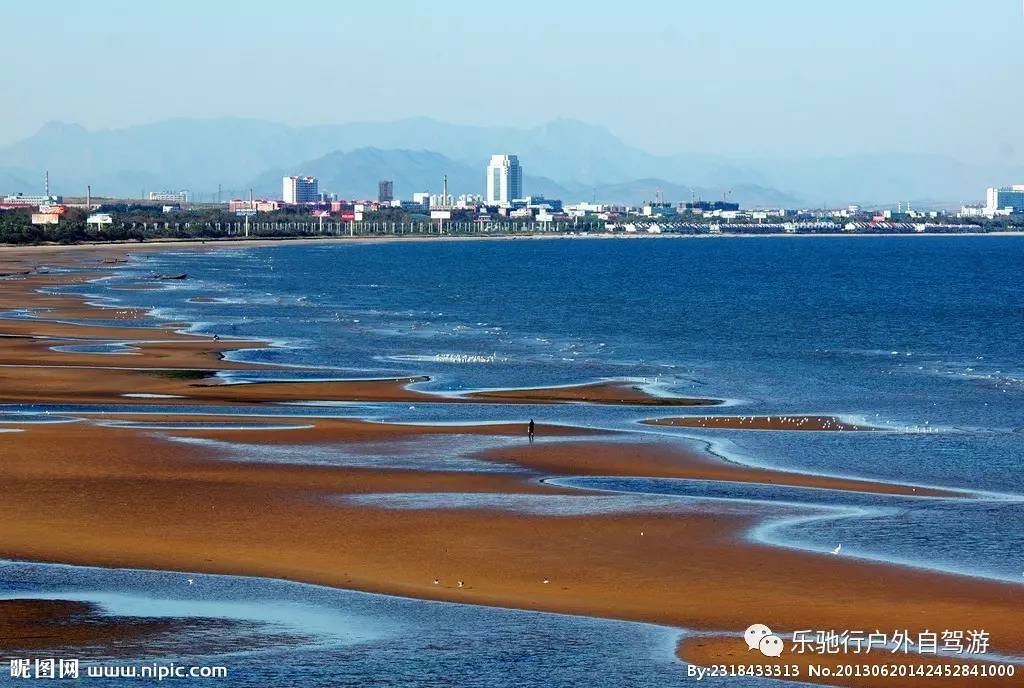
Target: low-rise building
260 205
99 219
583 209
712 205
170 196
20 199
658 210
45 218
972 211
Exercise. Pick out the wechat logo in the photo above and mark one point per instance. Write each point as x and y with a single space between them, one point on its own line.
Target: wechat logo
760 637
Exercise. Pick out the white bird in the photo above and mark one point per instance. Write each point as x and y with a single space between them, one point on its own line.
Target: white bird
838 547
546 581
190 581
437 582
461 584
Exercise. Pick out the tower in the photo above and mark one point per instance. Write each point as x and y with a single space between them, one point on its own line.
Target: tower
504 180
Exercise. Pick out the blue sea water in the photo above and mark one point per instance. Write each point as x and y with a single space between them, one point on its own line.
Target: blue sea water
922 336
287 634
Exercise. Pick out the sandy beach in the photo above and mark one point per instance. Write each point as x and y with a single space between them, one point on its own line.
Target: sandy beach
99 492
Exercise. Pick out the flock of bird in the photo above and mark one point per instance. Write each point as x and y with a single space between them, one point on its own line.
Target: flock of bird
766 422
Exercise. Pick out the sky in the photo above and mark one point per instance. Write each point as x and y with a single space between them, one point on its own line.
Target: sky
744 78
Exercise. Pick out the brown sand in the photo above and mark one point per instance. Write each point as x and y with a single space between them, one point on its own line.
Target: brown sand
663 460
813 423
597 393
128 499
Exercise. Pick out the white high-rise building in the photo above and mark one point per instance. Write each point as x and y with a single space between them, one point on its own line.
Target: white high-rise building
1005 198
299 190
504 180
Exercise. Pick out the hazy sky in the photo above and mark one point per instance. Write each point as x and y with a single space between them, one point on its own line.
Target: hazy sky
739 77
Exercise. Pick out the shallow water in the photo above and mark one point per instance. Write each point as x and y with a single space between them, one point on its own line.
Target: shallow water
292 634
924 334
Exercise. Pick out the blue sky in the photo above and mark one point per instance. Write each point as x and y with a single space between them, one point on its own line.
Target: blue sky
735 77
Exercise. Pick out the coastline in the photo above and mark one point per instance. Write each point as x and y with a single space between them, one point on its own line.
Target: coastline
305 239
126 498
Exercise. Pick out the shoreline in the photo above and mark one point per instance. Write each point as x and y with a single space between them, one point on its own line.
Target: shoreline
126 497
313 240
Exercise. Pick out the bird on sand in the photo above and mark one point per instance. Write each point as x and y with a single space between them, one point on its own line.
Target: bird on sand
838 547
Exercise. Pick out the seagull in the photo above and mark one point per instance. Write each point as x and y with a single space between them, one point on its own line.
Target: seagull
546 581
838 547
641 533
461 584
190 581
437 582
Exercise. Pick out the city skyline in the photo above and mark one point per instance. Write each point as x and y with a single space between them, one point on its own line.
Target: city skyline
733 78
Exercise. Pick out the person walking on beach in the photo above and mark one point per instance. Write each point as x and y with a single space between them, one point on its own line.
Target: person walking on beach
529 429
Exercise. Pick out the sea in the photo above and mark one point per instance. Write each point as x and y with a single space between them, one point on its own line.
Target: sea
920 337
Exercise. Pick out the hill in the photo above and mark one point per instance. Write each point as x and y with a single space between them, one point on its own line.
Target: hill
202 154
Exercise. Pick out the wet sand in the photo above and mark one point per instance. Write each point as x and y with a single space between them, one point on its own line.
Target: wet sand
662 460
111 496
29 624
612 392
126 498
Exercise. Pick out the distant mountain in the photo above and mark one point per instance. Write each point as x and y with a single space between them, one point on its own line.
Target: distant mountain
354 174
15 180
201 154
175 154
638 190
887 178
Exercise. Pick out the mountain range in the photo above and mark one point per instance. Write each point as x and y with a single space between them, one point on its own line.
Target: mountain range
564 158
